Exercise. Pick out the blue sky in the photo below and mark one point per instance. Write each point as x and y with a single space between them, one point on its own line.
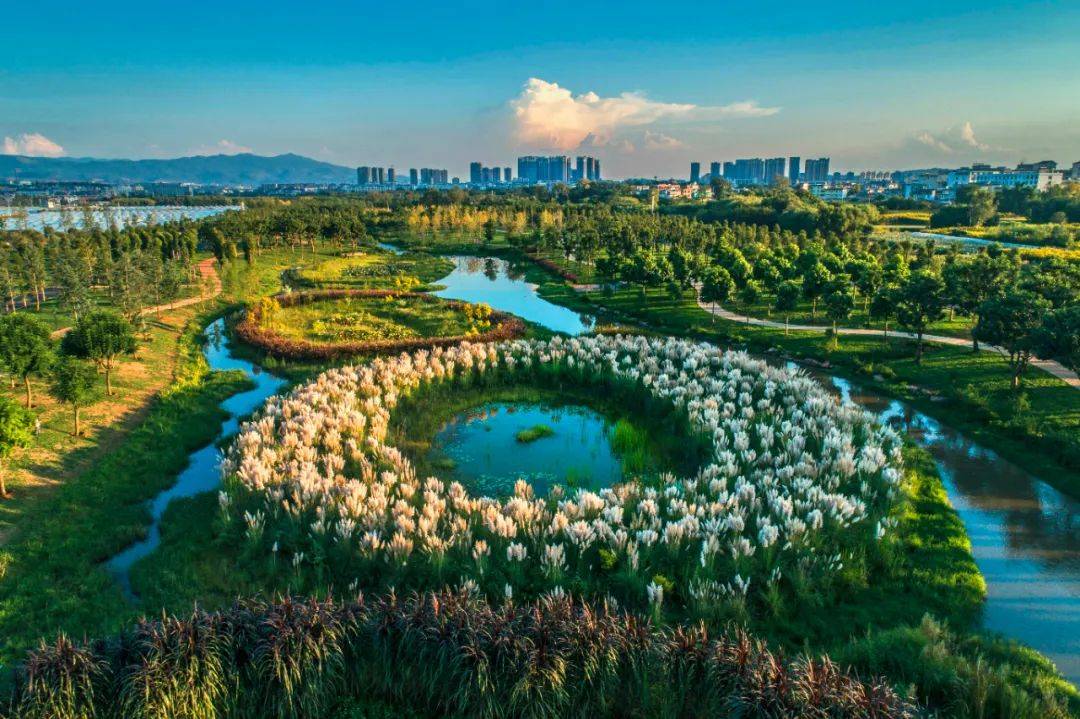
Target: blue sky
645 86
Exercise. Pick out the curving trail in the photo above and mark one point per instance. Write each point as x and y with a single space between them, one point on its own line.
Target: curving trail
1055 368
206 269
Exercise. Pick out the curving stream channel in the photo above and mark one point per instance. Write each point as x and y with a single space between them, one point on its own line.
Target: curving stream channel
1025 534
201 474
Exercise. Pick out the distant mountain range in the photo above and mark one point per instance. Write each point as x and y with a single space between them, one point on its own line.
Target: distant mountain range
244 169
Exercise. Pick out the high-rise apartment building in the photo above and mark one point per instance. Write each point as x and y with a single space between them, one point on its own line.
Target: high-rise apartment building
506 175
729 170
533 168
559 169
774 170
817 170
414 177
476 173
592 169
714 170
363 175
793 168
695 172
431 176
391 176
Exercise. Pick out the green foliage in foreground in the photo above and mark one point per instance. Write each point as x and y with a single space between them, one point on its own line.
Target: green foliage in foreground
51 576
534 433
439 653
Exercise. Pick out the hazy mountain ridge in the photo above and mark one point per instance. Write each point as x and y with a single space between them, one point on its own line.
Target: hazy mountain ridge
243 169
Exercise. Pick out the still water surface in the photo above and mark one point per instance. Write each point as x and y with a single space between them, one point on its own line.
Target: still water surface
502 285
1025 534
488 458
37 218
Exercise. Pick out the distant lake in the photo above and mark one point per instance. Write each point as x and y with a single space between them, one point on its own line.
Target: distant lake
104 217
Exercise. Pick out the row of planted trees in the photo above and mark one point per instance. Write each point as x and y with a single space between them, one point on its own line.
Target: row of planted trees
1027 307
71 367
131 268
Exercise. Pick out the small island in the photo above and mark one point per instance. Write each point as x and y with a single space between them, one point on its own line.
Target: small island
534 433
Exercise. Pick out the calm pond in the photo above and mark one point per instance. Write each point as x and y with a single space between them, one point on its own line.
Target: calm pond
488 458
201 474
500 284
37 218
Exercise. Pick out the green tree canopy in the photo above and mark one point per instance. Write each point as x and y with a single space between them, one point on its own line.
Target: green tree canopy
101 337
26 348
919 302
16 430
74 382
1011 322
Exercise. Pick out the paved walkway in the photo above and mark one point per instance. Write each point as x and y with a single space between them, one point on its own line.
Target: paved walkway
1058 370
206 269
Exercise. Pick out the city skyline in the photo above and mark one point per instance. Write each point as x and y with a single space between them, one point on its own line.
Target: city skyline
443 86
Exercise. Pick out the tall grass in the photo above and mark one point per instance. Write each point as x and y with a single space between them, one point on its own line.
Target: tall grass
442 653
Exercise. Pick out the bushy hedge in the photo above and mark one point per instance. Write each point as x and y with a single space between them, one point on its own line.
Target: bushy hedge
445 653
251 330
553 268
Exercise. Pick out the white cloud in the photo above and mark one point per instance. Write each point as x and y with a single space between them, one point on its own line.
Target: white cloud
967 135
222 147
952 140
32 144
930 141
552 117
660 141
744 108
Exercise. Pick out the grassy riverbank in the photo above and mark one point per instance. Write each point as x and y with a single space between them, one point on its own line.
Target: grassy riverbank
52 578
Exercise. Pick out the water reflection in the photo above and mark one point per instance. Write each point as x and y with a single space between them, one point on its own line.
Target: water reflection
1025 534
488 458
501 284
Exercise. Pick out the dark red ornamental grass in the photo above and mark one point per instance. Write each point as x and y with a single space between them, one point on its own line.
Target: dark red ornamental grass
437 653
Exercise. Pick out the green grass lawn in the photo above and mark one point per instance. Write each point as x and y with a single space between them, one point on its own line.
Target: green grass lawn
51 577
804 314
375 269
359 319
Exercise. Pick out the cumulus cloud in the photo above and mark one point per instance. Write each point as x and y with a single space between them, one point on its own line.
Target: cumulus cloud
952 140
967 136
32 144
660 141
552 117
222 147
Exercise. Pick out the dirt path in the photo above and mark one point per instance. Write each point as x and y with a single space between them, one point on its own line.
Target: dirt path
206 269
1058 370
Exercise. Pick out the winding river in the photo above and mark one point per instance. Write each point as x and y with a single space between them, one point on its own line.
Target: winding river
201 474
1025 534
